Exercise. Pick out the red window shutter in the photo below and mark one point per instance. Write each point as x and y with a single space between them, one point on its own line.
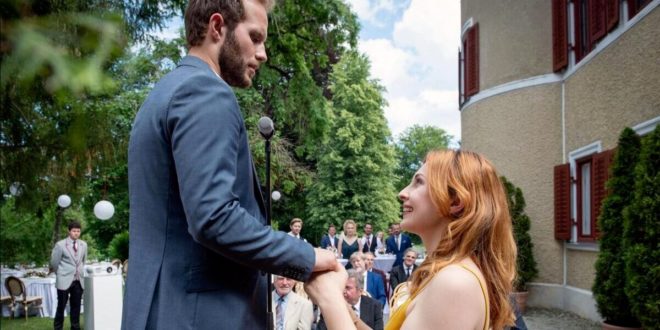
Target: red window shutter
597 25
562 185
559 35
601 166
461 90
612 13
472 61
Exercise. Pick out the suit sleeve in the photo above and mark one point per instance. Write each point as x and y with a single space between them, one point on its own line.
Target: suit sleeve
205 128
389 247
55 257
380 291
378 318
394 278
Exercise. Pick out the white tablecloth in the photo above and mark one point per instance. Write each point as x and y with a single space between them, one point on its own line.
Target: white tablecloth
384 262
36 286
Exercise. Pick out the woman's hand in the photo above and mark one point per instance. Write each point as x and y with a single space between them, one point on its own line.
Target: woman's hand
326 290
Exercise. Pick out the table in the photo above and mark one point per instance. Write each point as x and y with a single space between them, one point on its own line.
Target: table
384 262
37 286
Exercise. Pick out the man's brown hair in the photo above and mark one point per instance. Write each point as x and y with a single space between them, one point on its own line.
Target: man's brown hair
198 12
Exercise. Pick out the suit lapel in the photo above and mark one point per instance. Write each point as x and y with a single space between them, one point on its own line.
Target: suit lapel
291 308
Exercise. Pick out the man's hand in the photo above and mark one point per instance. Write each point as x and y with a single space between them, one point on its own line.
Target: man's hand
325 260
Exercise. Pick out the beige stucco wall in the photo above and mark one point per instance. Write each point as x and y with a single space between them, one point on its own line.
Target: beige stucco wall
617 88
515 39
581 265
520 133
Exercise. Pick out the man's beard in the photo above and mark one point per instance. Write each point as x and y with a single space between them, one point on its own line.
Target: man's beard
232 67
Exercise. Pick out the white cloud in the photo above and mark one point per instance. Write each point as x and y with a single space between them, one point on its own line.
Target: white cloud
418 65
368 10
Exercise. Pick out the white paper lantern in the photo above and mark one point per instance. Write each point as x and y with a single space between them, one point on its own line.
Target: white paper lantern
64 201
276 195
104 210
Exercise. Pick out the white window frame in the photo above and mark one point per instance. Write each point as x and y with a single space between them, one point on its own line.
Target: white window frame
573 156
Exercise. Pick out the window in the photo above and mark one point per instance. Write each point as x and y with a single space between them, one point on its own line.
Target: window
591 21
635 6
468 63
579 193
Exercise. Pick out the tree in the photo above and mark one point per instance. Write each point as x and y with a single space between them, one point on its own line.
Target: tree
608 288
641 236
525 264
60 128
411 148
356 165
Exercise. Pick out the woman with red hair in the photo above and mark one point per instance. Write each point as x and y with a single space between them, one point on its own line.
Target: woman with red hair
457 205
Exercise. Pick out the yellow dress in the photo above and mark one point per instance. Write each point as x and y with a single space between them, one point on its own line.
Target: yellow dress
399 315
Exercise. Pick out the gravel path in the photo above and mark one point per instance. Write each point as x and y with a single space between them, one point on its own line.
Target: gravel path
555 319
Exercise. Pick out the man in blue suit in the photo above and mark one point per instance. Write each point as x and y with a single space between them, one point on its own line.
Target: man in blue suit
330 239
373 283
198 235
397 243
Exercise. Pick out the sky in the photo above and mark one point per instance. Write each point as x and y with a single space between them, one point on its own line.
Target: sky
413 47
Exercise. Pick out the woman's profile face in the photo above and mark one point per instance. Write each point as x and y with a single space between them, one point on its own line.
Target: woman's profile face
419 213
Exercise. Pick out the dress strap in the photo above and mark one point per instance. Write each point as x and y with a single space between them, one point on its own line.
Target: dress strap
483 291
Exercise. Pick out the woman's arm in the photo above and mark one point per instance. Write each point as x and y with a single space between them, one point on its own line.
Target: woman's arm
326 290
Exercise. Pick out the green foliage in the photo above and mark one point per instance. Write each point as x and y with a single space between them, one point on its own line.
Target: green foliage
641 236
25 237
356 165
525 263
118 247
411 148
608 288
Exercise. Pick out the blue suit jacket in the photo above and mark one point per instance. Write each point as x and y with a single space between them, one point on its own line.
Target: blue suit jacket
198 234
392 248
376 288
325 241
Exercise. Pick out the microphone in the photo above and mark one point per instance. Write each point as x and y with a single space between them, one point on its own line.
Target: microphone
266 127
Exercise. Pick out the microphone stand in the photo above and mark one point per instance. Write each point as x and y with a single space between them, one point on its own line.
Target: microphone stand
266 129
269 219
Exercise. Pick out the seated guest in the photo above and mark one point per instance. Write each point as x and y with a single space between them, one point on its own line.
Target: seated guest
380 242
296 226
401 273
372 283
368 309
292 312
369 258
330 240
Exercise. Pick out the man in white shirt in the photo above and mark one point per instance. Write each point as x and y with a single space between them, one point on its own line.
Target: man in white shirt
292 312
296 226
369 239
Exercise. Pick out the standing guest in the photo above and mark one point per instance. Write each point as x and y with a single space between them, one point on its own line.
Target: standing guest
368 240
296 226
292 312
369 258
401 273
397 243
330 240
457 205
380 243
369 310
200 247
373 283
349 242
68 261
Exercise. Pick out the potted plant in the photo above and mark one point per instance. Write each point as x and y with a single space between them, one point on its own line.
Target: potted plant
525 263
641 234
608 289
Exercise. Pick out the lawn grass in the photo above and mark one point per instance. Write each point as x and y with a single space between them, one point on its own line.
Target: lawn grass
34 323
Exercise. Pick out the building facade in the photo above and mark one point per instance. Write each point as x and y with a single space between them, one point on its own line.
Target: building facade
546 87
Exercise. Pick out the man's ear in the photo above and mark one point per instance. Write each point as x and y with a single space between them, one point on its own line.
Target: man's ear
456 207
216 28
